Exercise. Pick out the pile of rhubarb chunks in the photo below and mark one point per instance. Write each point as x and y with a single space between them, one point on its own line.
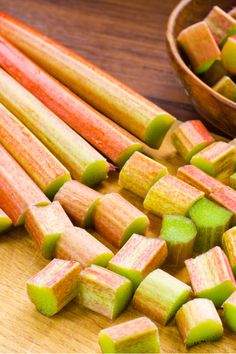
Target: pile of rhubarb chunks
210 46
55 137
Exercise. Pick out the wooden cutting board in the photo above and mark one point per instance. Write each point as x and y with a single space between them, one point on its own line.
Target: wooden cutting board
74 329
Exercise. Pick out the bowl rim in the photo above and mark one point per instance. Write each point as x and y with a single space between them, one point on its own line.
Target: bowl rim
172 43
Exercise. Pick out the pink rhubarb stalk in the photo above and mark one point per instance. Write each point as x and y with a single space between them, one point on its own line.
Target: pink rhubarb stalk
227 198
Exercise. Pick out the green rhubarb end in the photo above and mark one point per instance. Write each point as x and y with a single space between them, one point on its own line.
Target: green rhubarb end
103 259
5 224
88 218
157 129
49 245
138 226
44 299
233 181
54 187
95 173
127 153
218 293
132 274
204 165
195 150
204 67
123 296
229 312
205 332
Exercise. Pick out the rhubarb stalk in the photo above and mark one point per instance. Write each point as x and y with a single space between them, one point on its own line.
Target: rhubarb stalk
229 312
229 246
5 222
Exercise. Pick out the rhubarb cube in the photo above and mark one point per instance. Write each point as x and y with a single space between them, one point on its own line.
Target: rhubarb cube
229 246
138 257
179 233
211 276
103 291
221 24
227 198
228 55
45 224
54 286
116 219
199 179
135 336
198 321
191 137
211 221
232 181
229 312
78 245
199 44
214 74
215 158
139 173
226 87
5 222
170 195
160 295
78 201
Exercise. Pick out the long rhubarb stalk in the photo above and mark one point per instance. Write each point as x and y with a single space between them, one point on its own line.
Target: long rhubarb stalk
130 110
17 190
103 134
83 161
47 172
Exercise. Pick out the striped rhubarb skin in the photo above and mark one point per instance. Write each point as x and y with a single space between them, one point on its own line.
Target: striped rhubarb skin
130 110
5 222
18 191
116 219
229 312
78 201
139 173
136 336
191 137
138 257
211 276
46 171
78 245
45 226
227 198
198 321
170 195
54 286
81 159
199 179
229 246
105 135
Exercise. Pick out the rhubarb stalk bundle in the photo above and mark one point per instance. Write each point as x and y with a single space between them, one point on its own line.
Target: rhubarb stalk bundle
83 161
130 110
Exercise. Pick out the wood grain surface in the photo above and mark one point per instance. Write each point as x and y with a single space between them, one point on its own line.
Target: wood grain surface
126 38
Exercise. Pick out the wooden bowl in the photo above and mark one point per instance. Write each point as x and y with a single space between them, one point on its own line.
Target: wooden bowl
215 108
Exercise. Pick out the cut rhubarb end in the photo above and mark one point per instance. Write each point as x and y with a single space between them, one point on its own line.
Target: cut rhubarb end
160 295
229 312
229 246
95 173
5 222
21 220
54 286
128 153
227 198
138 226
214 74
211 221
198 321
228 55
135 336
226 87
104 292
203 68
54 187
157 129
179 233
233 181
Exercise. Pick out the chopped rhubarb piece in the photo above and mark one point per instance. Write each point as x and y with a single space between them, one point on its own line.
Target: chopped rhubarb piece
46 171
116 219
5 222
211 276
130 110
103 291
78 245
228 55
140 173
229 246
226 87
211 221
199 179
179 233
138 257
229 312
170 195
45 224
136 336
233 181
78 201
54 286
217 157
81 159
191 137
221 24
198 321
214 74
199 44
227 198
18 191
160 295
